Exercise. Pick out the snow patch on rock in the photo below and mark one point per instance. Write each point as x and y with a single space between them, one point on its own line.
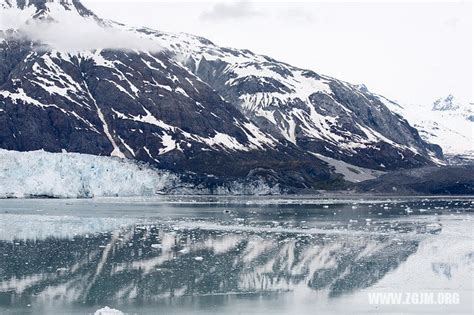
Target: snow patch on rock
351 173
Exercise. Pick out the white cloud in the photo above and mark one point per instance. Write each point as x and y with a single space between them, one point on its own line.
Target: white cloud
223 11
69 32
296 15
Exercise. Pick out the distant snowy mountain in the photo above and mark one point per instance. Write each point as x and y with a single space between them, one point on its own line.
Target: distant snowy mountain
183 104
447 122
446 104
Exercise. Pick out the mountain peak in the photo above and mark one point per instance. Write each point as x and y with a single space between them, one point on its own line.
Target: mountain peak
362 87
43 8
446 104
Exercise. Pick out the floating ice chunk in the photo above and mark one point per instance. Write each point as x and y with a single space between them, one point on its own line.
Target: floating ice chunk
108 311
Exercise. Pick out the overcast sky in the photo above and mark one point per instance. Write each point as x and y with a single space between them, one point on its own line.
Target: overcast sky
412 52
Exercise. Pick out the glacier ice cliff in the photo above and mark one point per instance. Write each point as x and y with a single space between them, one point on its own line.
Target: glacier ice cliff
73 175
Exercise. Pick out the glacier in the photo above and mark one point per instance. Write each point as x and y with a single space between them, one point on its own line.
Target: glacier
37 174
74 175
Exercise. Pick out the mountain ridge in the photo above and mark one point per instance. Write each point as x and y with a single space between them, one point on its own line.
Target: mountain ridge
42 10
277 91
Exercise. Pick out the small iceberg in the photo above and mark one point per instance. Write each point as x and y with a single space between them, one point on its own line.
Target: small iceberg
108 311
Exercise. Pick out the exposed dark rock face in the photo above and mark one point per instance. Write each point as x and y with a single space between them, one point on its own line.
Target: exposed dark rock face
452 180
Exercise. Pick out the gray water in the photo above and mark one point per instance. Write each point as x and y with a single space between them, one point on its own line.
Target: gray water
207 255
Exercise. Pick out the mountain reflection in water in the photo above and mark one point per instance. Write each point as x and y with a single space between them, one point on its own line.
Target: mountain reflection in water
146 262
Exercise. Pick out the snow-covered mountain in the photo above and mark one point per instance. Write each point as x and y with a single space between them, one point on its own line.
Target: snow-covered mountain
447 122
316 112
184 104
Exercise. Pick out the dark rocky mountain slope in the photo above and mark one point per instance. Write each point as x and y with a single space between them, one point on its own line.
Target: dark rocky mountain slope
448 180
